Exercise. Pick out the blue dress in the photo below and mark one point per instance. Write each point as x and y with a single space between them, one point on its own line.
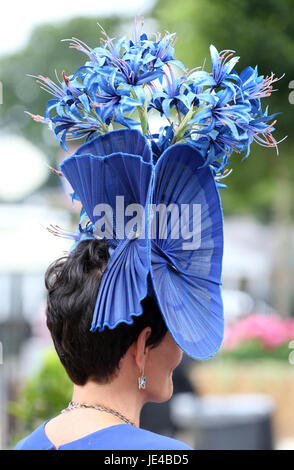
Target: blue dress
117 437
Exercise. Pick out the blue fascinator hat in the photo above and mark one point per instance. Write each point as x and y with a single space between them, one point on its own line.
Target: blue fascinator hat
154 195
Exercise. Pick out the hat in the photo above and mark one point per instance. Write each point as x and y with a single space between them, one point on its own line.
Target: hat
153 193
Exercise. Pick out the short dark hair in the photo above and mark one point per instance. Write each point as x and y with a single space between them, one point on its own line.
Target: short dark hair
72 283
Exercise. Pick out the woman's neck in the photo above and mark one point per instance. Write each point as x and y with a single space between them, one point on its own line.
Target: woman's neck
117 395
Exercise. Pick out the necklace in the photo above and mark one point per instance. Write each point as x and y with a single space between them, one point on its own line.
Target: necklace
74 405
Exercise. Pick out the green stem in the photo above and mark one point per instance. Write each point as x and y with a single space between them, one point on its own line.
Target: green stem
142 110
143 119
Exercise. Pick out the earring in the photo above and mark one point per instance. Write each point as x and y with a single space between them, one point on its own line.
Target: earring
142 381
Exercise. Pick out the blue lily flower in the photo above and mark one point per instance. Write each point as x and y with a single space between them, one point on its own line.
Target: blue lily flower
85 230
116 101
68 113
260 131
217 145
175 93
222 111
222 67
253 87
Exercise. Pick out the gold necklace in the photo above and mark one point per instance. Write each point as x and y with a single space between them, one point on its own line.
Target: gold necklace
74 405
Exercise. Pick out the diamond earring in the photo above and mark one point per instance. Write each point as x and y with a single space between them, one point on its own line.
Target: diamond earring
142 381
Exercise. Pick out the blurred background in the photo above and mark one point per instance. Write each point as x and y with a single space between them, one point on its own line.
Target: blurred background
242 398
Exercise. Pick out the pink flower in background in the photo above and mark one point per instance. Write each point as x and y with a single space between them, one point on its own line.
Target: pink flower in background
271 330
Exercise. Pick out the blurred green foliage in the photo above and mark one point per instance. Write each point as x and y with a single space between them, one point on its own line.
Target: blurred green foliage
252 350
261 32
42 397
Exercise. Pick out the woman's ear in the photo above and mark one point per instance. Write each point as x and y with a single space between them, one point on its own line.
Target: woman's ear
140 350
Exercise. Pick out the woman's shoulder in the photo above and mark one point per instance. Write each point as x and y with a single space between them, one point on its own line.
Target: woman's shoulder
152 441
37 440
117 437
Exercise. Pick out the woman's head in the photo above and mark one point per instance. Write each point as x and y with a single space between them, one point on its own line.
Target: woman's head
72 283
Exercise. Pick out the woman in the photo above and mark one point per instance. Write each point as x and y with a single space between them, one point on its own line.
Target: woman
160 289
107 368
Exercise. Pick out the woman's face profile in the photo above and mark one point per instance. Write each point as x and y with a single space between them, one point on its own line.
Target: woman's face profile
162 360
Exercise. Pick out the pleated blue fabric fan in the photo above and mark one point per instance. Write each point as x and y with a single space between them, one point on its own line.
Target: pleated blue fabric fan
187 281
133 143
176 240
